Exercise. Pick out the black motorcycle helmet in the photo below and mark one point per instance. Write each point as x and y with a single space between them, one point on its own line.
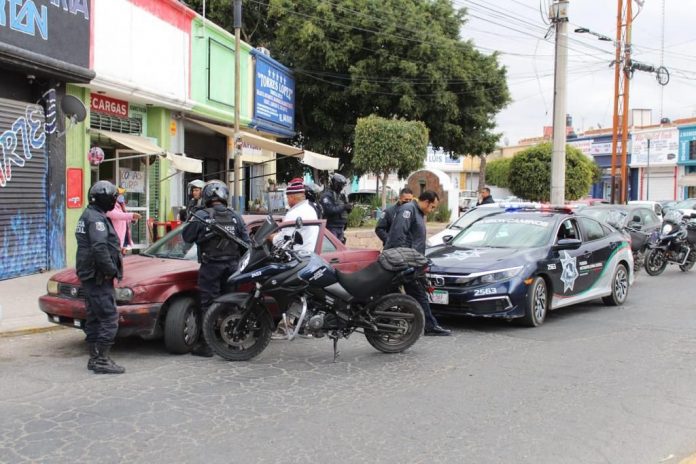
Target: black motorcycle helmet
215 190
103 195
337 182
312 192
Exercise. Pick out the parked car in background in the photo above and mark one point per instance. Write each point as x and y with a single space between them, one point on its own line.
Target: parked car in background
667 204
518 265
471 216
158 294
656 206
687 207
466 203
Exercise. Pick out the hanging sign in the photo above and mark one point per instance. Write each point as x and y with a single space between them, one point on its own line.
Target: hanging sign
108 105
95 156
274 95
132 181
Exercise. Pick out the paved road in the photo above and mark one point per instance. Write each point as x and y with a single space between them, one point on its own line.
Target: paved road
593 385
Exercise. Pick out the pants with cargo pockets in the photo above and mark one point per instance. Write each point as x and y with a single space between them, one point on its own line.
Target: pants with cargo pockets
102 317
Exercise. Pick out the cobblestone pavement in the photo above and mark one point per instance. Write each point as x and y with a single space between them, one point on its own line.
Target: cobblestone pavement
593 385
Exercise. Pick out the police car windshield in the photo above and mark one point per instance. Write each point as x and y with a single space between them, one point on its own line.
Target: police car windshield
506 232
472 216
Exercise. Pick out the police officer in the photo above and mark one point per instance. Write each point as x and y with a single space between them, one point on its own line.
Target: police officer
387 219
336 206
312 192
408 230
194 188
218 255
98 262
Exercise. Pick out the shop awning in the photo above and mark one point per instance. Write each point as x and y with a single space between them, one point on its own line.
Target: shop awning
688 180
315 160
146 147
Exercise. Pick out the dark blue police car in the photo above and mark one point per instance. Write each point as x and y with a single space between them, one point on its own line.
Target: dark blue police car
518 264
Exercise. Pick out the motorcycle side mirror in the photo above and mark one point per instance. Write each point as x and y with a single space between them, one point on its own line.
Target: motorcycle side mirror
567 244
298 223
447 239
297 238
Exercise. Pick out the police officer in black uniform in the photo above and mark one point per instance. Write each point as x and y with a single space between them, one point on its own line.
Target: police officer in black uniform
336 206
218 255
312 192
195 190
98 262
408 230
387 219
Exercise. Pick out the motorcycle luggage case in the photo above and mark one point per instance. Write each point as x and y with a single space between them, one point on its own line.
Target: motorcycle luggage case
398 259
691 230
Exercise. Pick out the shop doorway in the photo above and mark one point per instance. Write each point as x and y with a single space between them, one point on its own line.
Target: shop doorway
132 172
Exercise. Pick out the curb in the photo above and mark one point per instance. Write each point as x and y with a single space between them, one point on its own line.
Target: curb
29 331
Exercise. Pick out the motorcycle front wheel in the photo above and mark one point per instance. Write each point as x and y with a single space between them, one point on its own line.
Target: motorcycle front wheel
242 344
655 262
400 322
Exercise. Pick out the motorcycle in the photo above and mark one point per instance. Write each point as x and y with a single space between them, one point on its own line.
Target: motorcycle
674 245
638 239
320 300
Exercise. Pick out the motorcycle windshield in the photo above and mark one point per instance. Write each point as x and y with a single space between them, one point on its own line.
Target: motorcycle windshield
267 228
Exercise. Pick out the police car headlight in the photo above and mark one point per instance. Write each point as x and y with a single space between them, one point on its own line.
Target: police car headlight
52 287
124 295
494 276
244 262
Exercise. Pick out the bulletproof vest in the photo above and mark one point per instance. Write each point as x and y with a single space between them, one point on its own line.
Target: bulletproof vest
319 210
340 200
220 248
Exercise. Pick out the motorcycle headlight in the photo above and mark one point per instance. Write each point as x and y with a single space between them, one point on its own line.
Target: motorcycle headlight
489 277
52 287
667 228
244 262
124 294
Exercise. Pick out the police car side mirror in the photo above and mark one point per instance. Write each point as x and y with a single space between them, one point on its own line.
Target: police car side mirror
447 239
298 223
567 244
297 238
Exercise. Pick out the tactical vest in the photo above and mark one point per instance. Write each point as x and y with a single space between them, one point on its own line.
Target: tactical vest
219 248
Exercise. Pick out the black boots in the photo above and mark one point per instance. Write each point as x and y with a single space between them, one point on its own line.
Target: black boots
201 348
100 362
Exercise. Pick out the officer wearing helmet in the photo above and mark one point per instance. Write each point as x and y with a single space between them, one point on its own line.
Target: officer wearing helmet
336 206
98 263
218 255
312 192
194 191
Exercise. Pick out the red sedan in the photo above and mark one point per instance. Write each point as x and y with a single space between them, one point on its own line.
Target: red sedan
158 295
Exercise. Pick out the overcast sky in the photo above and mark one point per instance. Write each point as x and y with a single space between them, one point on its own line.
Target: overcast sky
516 29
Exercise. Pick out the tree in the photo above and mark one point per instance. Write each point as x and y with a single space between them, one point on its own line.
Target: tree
384 145
530 173
393 58
498 172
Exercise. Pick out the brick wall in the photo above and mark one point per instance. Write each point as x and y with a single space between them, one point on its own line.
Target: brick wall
432 182
366 238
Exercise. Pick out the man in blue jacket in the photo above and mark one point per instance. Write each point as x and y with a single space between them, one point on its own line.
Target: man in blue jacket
408 230
387 219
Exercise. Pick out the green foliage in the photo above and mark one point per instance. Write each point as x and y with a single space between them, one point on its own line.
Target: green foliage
441 214
394 58
387 145
357 216
530 173
498 171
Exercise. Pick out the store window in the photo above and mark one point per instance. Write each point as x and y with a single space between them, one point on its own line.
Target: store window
692 150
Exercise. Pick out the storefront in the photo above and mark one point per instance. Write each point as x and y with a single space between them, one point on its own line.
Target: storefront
654 153
600 150
42 47
687 162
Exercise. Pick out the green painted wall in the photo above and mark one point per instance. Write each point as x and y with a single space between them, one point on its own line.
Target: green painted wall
158 127
76 148
212 74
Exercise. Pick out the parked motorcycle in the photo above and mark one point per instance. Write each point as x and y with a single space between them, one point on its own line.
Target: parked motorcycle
639 239
318 299
675 244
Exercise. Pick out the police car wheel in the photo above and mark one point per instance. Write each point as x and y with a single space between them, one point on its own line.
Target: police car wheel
537 304
181 326
619 287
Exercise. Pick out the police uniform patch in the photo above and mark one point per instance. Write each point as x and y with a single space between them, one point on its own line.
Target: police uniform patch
406 214
100 226
326 200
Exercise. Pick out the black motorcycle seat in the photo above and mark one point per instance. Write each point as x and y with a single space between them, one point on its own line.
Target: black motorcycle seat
372 280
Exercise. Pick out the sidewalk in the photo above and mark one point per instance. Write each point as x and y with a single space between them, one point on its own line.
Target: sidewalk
19 304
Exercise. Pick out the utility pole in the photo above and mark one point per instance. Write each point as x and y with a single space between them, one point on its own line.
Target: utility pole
236 153
559 16
647 188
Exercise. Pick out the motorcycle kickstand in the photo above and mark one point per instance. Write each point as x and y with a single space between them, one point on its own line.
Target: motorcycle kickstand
335 348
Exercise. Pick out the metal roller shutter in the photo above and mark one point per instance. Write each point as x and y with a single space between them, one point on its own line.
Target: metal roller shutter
661 184
23 204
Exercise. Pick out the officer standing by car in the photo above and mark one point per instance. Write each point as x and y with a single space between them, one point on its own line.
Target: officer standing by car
195 189
98 263
387 219
336 206
408 230
218 255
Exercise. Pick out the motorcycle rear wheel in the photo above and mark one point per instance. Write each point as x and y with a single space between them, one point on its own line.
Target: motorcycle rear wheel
655 262
253 336
412 324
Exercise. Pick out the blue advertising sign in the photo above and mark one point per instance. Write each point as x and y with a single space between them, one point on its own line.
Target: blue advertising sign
274 94
686 136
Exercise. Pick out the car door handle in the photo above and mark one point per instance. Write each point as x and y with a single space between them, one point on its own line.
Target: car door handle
334 261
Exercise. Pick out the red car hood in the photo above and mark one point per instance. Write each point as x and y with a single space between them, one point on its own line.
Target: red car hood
141 270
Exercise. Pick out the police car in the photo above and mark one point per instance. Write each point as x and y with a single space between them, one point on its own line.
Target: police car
522 262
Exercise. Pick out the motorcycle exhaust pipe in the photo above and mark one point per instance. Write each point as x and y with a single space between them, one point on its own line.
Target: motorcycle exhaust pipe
394 315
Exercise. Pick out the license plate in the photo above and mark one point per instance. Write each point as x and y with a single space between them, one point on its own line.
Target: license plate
77 323
439 297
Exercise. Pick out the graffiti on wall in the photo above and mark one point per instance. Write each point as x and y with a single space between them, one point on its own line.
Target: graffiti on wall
25 134
23 243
